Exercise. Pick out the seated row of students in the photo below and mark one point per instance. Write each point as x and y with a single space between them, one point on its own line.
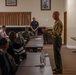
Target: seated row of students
3 32
19 51
11 53
7 64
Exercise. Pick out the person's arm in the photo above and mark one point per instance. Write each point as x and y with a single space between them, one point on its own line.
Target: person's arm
6 34
57 31
31 28
37 26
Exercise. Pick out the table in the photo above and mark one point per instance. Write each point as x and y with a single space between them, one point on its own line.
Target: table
28 66
33 59
35 43
34 71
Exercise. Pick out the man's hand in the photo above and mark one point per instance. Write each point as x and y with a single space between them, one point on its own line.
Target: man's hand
34 30
50 32
45 30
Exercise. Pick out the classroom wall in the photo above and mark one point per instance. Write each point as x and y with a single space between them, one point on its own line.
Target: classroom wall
71 23
44 17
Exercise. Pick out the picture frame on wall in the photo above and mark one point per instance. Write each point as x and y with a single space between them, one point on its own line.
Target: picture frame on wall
45 4
11 2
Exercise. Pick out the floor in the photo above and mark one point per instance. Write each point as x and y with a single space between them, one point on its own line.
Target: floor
68 59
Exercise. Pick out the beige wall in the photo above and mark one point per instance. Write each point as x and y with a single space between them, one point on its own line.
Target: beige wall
44 17
71 22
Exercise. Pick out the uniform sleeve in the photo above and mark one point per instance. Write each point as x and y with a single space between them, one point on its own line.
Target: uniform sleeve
58 29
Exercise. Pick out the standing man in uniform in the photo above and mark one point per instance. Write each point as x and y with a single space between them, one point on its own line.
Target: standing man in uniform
57 43
34 26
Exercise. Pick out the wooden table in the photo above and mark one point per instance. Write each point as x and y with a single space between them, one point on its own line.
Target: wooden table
33 59
34 71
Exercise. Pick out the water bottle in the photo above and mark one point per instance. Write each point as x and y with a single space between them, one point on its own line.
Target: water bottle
42 59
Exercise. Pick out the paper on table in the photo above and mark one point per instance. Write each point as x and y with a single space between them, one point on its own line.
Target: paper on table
39 44
46 54
38 38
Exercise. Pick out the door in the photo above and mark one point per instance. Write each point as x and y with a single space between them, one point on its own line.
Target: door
65 28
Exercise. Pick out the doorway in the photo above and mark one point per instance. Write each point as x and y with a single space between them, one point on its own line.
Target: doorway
65 28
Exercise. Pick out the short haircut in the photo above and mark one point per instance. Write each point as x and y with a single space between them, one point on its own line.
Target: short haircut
3 41
3 26
56 12
33 17
12 36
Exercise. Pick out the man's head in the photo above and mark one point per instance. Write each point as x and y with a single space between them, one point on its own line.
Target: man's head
12 36
34 19
4 44
56 15
4 27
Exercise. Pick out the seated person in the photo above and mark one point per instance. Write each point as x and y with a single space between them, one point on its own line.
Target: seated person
27 34
7 64
3 32
19 51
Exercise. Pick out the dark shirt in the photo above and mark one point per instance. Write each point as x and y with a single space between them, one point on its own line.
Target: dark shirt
19 51
18 48
5 64
10 50
34 24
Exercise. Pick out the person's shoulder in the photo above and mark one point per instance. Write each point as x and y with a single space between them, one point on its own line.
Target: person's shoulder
59 22
37 22
32 21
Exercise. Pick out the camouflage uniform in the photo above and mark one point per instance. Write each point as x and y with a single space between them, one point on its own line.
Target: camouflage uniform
57 42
